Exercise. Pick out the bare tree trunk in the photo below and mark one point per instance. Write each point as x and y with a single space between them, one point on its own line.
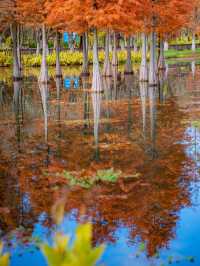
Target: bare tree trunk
96 79
107 70
57 44
152 64
85 70
44 69
193 42
161 61
38 42
128 66
114 57
166 46
16 66
19 46
144 67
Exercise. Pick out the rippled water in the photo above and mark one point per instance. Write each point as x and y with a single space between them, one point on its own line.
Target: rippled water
151 131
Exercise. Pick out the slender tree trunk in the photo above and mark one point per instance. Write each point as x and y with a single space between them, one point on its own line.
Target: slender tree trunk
16 66
114 57
166 46
128 66
19 46
153 64
107 70
58 66
96 79
135 44
144 67
38 41
161 61
85 70
193 42
44 69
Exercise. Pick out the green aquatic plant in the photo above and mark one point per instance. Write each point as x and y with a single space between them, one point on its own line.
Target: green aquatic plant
79 253
4 258
108 175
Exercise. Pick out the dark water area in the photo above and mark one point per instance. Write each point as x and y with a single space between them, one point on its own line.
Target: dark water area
150 134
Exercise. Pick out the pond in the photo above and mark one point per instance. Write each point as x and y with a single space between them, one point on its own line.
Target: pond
150 134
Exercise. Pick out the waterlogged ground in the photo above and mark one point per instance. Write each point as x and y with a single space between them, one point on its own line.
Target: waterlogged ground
151 215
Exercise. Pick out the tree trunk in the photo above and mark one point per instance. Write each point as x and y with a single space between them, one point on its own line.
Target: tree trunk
19 47
96 79
57 44
16 66
193 42
161 61
44 69
135 44
144 67
166 46
38 42
107 70
152 64
114 57
128 66
85 70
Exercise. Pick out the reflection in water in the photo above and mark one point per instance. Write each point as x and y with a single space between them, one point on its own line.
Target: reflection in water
18 109
152 105
143 95
44 92
146 206
96 102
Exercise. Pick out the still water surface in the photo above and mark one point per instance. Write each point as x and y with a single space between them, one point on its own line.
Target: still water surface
128 127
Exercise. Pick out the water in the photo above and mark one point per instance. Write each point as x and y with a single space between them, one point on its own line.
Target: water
151 132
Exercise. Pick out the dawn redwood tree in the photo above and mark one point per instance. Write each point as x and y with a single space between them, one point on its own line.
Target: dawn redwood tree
10 17
68 15
33 13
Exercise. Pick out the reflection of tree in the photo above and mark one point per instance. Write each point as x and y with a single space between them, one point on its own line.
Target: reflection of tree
86 103
143 96
44 92
148 205
96 102
58 107
18 110
152 104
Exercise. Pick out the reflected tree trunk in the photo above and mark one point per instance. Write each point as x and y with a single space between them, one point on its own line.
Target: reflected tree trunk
143 96
19 112
152 105
96 102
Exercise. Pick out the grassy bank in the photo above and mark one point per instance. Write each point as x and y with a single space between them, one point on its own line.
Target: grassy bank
76 58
